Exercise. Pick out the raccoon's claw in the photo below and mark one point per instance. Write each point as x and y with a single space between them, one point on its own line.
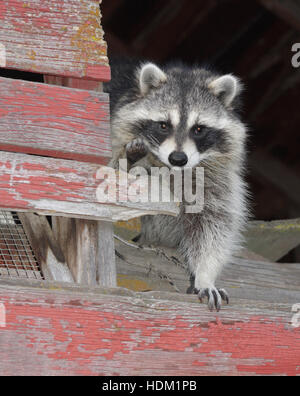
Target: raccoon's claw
214 297
136 150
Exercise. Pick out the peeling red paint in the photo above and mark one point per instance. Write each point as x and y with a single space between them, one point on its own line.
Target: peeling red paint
49 187
44 25
9 200
6 164
56 121
101 73
2 10
89 340
33 167
48 184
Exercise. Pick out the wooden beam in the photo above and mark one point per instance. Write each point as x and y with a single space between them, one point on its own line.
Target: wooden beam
106 261
144 269
77 240
273 239
66 188
164 14
87 245
45 247
54 330
271 93
109 7
78 83
117 47
54 121
276 173
262 55
185 17
56 37
89 250
288 10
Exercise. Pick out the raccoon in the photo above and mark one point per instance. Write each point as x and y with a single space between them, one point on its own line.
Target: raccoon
186 116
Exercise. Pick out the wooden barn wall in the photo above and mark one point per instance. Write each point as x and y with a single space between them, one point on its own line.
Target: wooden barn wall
252 38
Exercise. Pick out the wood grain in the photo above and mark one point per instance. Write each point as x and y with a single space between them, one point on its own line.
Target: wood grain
57 37
62 187
58 331
88 245
243 279
78 248
106 261
288 10
273 239
46 249
89 250
54 121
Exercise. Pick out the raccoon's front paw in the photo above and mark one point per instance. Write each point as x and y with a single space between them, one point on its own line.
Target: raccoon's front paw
136 150
214 297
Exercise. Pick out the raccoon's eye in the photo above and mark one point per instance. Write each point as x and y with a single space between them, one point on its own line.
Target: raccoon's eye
197 130
164 126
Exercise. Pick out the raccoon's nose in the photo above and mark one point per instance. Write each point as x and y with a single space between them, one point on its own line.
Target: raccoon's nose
178 158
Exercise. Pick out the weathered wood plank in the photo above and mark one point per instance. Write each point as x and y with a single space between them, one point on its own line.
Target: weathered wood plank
71 82
106 261
288 10
59 331
79 248
89 250
273 239
264 240
277 173
46 249
57 37
61 187
88 245
142 269
54 121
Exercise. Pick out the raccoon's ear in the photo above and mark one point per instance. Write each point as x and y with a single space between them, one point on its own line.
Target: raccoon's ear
226 88
151 76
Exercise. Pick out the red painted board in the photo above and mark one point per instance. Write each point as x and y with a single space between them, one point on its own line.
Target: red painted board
57 37
66 188
54 121
60 332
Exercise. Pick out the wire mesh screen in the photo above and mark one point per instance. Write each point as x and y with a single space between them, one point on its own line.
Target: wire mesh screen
16 256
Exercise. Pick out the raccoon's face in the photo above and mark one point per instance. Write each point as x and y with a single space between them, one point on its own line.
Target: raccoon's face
185 116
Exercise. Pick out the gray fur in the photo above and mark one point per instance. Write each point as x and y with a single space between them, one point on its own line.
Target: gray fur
184 97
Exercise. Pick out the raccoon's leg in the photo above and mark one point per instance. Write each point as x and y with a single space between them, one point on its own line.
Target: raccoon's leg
207 246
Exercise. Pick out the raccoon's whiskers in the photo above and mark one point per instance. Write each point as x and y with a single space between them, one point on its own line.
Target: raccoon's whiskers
153 140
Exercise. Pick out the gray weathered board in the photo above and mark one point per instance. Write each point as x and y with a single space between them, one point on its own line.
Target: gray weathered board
274 239
57 329
244 279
